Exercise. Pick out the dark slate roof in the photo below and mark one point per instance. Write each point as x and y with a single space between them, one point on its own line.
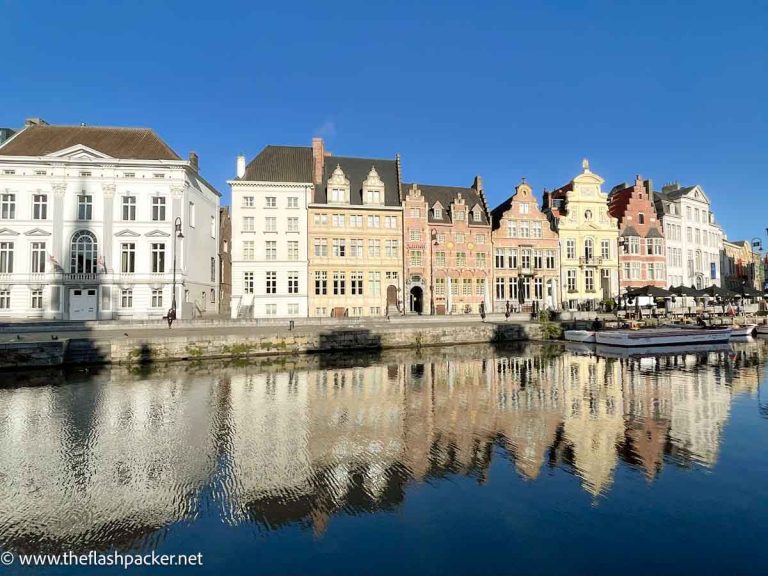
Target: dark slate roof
125 143
629 231
674 194
498 213
281 164
654 233
445 195
356 170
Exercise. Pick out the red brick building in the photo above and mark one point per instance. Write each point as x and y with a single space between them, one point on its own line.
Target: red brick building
642 257
447 249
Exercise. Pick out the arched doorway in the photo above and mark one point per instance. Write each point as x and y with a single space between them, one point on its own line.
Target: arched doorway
417 300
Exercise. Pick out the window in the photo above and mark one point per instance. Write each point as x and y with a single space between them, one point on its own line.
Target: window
249 250
689 234
293 201
549 261
375 311
633 245
158 175
524 208
466 287
480 286
356 248
538 261
129 207
213 226
338 195
570 248
356 283
128 257
525 229
439 286
500 292
415 235
390 222
441 238
5 299
271 309
38 257
270 224
271 283
293 309
6 257
374 248
83 252
84 207
476 215
536 230
293 250
213 274
374 283
415 258
248 202
393 250
589 280
461 259
339 283
511 258
605 249
320 219
249 224
570 280
440 259
337 220
158 209
480 239
321 283
271 202
499 258
339 247
356 220
589 250
480 260
415 212
129 174
459 238
293 224
454 286
321 247
191 215
459 216
511 229
641 218
271 252
126 298
157 298
373 197
293 282
437 213
525 259
37 299
374 221
538 288
248 282
40 207
157 251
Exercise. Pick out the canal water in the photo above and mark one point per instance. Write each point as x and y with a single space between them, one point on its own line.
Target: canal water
537 459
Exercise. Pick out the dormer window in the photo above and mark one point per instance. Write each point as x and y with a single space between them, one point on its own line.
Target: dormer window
338 186
437 213
476 214
373 188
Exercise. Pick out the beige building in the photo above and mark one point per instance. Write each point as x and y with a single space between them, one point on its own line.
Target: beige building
355 236
740 266
588 240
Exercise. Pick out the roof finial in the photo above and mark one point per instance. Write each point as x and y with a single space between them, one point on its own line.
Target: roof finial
523 180
585 165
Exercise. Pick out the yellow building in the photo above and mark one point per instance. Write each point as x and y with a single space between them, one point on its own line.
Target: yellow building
588 241
355 236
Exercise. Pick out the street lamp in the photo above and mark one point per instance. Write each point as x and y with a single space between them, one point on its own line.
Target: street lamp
434 243
180 236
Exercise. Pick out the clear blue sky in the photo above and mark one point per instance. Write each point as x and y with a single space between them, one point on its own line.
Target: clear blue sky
670 90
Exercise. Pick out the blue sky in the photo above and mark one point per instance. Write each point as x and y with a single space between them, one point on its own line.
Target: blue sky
669 90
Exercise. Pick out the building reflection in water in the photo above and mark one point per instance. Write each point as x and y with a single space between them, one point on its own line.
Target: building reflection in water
116 458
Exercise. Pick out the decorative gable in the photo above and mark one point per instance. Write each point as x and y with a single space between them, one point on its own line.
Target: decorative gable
157 234
79 152
8 232
373 188
338 187
37 232
127 234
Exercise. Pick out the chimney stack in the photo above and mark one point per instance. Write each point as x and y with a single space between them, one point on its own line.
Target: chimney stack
35 122
194 161
478 183
240 165
318 160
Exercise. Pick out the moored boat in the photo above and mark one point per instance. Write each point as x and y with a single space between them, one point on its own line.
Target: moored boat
656 351
663 336
762 329
579 336
743 330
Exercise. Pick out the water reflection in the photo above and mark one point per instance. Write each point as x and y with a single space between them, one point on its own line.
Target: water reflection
117 458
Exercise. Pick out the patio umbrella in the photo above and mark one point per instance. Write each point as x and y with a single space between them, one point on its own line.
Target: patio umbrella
750 292
650 291
683 290
716 291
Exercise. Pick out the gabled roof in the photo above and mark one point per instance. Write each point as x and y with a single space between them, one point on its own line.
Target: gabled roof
654 233
281 164
629 231
356 170
498 213
446 195
123 143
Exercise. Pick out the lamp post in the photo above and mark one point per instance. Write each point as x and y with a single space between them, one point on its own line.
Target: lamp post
179 235
621 240
433 244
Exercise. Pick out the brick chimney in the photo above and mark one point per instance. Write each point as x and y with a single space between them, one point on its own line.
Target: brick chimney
194 161
240 166
478 183
318 160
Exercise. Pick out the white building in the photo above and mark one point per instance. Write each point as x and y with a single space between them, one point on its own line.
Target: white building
269 233
87 226
694 241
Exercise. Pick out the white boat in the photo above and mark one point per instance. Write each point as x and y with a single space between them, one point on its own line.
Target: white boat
580 336
656 351
743 330
762 329
647 337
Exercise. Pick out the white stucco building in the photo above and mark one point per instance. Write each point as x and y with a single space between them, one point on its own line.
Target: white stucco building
87 226
269 233
694 241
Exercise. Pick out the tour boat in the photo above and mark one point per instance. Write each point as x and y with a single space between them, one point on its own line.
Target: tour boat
743 330
663 336
587 336
762 329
